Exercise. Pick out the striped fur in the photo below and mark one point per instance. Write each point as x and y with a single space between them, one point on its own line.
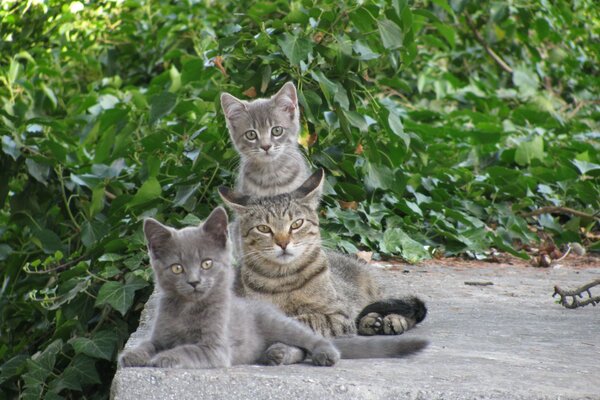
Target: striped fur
287 265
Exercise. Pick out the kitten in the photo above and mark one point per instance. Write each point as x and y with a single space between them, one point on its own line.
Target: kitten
283 262
265 134
201 324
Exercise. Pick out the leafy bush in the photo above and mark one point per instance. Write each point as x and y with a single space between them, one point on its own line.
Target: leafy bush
440 124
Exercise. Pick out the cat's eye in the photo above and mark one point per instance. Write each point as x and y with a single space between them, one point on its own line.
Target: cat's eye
263 228
297 223
251 134
276 131
206 264
177 268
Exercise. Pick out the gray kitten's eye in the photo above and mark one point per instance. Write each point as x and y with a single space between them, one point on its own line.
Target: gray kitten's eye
297 223
263 228
251 134
276 131
177 269
206 264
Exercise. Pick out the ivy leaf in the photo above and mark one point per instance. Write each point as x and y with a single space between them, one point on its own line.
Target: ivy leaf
295 48
161 105
396 241
150 190
119 295
391 35
528 151
101 345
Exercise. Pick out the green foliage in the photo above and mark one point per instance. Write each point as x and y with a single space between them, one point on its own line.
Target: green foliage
109 113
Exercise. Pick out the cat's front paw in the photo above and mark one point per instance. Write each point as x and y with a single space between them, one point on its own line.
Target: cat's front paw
395 324
134 358
165 361
325 355
276 354
370 324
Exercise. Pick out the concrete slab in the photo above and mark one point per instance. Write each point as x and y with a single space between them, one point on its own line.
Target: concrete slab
508 340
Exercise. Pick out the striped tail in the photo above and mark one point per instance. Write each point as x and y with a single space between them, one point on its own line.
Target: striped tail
410 307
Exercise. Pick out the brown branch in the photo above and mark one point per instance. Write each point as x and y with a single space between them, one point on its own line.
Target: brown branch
561 210
487 48
564 295
59 267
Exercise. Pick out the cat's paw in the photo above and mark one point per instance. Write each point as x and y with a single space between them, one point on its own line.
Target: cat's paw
134 358
394 324
370 324
276 354
325 355
165 361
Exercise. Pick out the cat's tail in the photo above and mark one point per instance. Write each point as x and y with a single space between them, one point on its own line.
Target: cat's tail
409 307
378 346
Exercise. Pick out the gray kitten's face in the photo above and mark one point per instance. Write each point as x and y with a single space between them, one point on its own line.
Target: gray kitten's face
262 130
279 228
189 262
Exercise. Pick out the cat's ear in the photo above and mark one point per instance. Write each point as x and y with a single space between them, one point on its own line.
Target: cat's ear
157 236
216 225
312 188
234 200
287 100
232 106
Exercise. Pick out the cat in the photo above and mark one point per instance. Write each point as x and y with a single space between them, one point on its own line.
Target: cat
283 262
201 324
265 134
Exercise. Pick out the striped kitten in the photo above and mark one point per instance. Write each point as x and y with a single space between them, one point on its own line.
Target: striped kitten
201 324
265 134
283 262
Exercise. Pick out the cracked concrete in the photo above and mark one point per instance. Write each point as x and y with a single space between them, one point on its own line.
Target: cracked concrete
504 340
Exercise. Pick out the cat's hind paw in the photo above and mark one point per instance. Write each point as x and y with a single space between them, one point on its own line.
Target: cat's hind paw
395 324
282 354
325 355
165 361
370 324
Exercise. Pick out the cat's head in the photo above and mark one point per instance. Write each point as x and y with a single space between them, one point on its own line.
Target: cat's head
279 228
262 130
190 262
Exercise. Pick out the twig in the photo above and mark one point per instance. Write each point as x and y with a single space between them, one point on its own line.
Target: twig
573 294
560 210
487 48
59 267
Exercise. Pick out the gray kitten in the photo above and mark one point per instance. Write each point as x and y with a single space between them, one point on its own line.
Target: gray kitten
201 324
284 263
265 134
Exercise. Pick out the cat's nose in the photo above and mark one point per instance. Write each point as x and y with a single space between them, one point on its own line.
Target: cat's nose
266 147
282 242
194 284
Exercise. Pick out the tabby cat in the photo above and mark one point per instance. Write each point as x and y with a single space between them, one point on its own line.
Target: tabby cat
283 262
201 324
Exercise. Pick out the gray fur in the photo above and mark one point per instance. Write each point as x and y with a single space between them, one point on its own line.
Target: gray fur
269 164
289 268
200 323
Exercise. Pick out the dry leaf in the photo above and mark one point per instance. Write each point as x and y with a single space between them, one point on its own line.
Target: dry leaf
218 60
348 205
365 255
250 92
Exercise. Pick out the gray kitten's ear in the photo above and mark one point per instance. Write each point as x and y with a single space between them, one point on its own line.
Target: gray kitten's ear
157 236
216 225
287 99
312 188
234 200
232 106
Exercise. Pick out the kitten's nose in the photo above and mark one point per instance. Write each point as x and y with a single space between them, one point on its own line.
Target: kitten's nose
194 284
282 242
266 147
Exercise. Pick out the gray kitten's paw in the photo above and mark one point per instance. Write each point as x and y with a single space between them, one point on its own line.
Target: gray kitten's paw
165 361
370 324
134 358
277 354
325 355
394 324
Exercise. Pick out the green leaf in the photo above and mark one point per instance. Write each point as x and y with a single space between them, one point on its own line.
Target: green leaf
118 295
398 129
396 241
149 191
161 105
295 48
391 35
526 81
584 167
101 345
528 151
